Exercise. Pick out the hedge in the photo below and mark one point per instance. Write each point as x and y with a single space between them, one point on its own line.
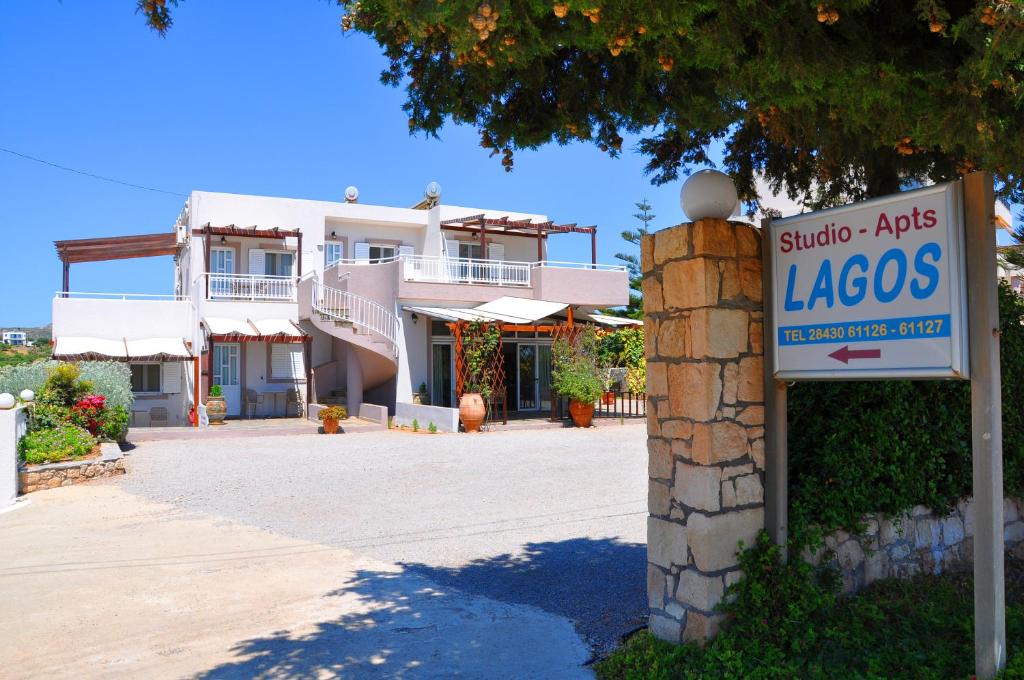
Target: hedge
863 447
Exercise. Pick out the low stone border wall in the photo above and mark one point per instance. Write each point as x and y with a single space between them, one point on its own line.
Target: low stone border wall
49 476
446 419
917 543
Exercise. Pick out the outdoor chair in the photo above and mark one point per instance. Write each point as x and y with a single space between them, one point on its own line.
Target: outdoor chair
158 416
253 400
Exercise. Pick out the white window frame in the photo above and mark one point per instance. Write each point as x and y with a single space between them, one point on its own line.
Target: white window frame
381 246
229 255
336 246
470 248
266 261
159 377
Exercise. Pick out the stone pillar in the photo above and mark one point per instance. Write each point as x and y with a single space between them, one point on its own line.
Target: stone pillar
705 417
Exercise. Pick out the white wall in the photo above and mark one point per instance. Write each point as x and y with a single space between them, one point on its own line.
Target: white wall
111 318
413 357
13 425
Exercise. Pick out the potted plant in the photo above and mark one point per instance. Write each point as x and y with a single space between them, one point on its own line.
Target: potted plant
216 407
421 396
330 417
607 396
480 348
576 374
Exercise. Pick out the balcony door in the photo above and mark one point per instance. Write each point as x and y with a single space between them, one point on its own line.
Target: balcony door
222 268
533 377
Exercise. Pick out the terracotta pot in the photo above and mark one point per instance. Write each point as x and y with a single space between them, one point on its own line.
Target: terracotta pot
608 398
472 411
582 414
330 425
216 410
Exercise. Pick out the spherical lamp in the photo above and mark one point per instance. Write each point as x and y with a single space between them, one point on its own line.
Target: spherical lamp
708 194
6 400
27 395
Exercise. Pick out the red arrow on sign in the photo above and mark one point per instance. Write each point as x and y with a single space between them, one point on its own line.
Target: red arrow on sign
844 354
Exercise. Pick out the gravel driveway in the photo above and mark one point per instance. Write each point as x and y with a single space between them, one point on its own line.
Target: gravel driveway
551 518
507 554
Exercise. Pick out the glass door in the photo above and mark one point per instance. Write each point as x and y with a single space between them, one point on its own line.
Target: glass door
544 376
528 379
222 269
441 388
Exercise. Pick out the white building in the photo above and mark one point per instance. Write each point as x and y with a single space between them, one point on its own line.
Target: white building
287 303
14 338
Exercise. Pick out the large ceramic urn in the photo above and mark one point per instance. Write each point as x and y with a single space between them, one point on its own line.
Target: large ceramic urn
472 411
216 410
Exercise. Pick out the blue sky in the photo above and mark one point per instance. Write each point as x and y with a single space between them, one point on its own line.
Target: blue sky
245 97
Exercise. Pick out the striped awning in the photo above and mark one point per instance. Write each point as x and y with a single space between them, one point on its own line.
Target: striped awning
83 348
507 309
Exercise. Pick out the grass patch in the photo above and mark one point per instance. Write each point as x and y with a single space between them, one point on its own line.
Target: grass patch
920 628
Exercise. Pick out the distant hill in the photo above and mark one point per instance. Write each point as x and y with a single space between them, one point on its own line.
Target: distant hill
33 332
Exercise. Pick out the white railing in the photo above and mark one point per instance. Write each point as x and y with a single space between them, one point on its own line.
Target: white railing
580 265
464 270
340 305
120 296
250 287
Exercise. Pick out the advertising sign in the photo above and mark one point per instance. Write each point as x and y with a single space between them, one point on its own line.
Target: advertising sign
872 290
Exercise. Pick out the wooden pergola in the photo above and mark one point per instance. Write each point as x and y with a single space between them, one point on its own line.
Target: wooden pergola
207 231
482 225
112 248
496 369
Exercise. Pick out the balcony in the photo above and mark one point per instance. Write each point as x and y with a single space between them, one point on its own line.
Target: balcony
465 271
418 277
250 287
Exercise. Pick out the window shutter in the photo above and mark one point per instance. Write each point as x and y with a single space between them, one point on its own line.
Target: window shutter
495 251
361 252
257 262
286 361
170 381
406 250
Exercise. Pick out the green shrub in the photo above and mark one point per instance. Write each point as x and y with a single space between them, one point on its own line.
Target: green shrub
112 379
63 442
14 379
862 447
115 423
63 386
415 425
216 391
576 370
432 428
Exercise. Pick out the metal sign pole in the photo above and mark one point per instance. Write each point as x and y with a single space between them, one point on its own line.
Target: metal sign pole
986 426
776 451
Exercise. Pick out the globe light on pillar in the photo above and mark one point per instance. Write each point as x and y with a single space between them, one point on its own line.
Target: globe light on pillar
6 400
27 395
708 194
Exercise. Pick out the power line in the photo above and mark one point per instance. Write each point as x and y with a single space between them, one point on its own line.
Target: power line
89 174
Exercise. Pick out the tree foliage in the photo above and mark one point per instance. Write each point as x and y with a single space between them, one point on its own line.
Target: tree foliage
635 308
832 100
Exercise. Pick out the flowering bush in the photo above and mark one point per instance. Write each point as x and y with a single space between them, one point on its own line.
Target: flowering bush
64 442
89 412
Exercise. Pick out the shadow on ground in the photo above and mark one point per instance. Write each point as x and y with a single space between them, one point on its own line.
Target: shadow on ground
467 621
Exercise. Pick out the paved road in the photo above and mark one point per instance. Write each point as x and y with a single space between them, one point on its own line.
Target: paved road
509 554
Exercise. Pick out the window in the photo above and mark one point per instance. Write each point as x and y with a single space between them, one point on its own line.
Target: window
470 251
145 378
286 361
333 252
378 253
278 264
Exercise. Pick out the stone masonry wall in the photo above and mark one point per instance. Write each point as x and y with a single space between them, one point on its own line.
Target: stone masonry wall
918 543
49 476
705 383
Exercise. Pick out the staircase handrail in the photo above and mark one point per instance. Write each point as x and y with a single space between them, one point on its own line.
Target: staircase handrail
341 305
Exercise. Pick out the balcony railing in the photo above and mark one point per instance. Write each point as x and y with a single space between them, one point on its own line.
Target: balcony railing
250 287
466 271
